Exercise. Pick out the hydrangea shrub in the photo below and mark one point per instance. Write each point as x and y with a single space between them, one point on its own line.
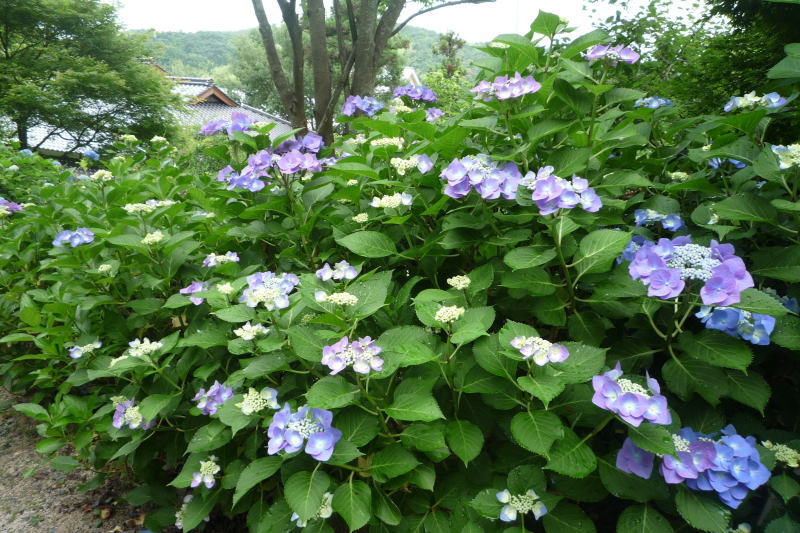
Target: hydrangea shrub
563 309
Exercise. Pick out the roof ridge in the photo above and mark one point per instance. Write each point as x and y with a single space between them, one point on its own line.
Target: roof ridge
270 115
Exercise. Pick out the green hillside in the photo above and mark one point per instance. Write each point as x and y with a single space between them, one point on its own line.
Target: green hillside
200 53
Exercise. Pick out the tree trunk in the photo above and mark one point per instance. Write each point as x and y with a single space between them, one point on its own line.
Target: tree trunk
320 63
364 71
298 63
286 92
22 132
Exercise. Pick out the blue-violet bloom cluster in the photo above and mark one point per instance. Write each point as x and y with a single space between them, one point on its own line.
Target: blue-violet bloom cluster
239 122
666 266
653 102
206 474
213 260
670 222
716 162
289 430
74 238
76 352
632 402
366 104
486 176
270 289
433 114
788 302
788 156
750 100
614 54
753 327
361 354
729 465
520 504
551 193
194 288
419 93
91 154
126 412
341 270
209 401
540 350
504 87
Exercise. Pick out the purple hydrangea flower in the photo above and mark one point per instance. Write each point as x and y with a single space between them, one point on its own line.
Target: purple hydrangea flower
239 122
633 246
504 88
773 100
74 238
634 460
520 504
716 162
362 355
424 164
288 431
693 458
208 469
126 412
209 402
614 54
551 193
341 270
11 207
194 288
433 113
486 176
541 350
270 289
419 93
213 127
213 260
665 267
366 104
311 142
632 402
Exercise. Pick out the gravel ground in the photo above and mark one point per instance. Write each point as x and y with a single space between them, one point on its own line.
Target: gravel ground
49 501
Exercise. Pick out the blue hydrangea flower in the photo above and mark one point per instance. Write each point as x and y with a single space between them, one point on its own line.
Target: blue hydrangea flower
671 221
213 126
653 102
239 122
716 162
551 193
634 460
632 402
520 504
26 151
504 88
433 114
74 238
341 270
288 431
753 327
194 288
91 154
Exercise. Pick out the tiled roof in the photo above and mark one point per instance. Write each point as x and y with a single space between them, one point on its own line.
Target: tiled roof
195 114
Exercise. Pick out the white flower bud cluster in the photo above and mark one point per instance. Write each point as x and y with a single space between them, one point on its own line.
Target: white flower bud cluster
678 176
626 385
788 156
459 282
101 175
181 513
143 348
158 139
148 207
359 139
338 298
225 288
383 142
249 332
351 183
153 238
128 138
404 165
694 261
784 453
448 314
360 218
392 202
495 44
254 401
400 108
105 267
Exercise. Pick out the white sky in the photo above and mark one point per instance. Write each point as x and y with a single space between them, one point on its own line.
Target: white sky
475 23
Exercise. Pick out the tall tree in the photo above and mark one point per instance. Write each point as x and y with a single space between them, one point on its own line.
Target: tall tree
367 24
449 47
66 66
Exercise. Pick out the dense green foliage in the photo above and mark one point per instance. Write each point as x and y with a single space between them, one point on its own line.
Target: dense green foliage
455 414
66 66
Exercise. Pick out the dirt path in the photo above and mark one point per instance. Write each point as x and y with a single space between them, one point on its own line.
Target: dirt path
49 500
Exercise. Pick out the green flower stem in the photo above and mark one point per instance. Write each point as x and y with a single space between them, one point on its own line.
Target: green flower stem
567 276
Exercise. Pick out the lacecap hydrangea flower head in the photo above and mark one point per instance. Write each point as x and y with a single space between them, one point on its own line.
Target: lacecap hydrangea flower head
670 221
729 464
665 268
288 431
341 270
520 504
361 354
126 412
366 104
74 238
551 193
612 54
419 93
630 401
505 87
753 327
269 289
480 172
540 350
653 102
210 401
208 469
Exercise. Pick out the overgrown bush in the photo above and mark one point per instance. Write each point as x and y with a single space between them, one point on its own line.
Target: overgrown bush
432 325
